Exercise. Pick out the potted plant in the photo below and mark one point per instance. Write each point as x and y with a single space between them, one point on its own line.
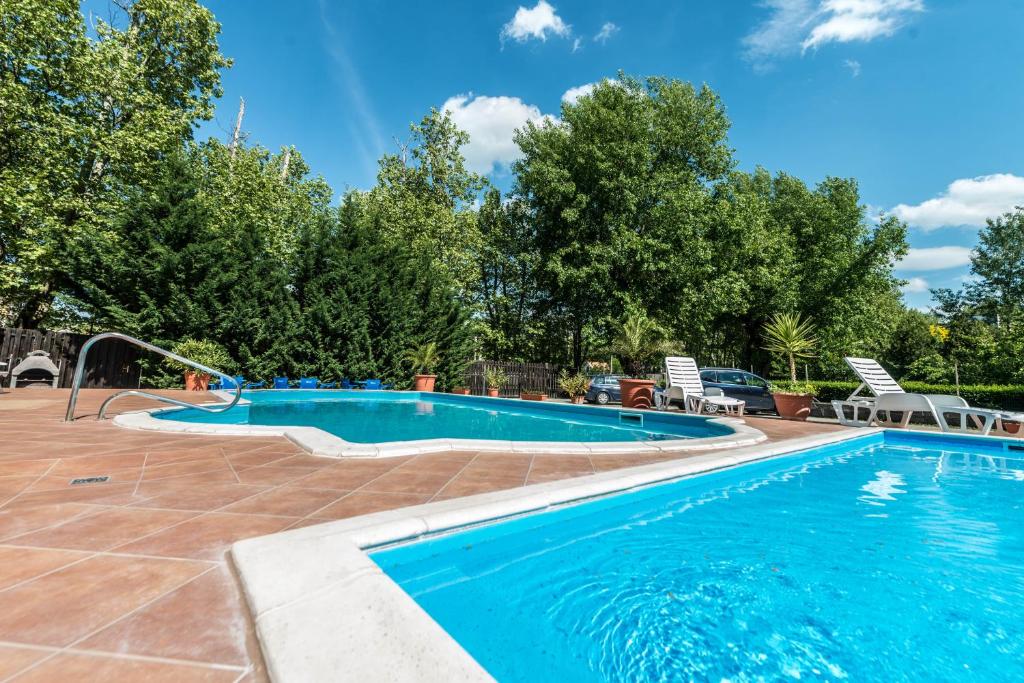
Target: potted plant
533 395
461 391
495 380
794 338
575 386
639 339
423 359
201 351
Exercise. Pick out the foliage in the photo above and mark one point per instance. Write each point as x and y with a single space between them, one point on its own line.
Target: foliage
573 385
615 189
790 336
422 199
202 351
507 293
794 387
639 340
423 358
1009 397
85 117
495 378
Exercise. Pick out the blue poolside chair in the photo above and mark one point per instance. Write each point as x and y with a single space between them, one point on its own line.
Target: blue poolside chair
255 385
308 382
328 385
214 385
281 383
375 385
346 384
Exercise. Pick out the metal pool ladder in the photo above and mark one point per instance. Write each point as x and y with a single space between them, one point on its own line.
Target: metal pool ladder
76 384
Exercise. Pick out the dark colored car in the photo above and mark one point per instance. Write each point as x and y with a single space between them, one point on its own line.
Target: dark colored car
746 386
604 389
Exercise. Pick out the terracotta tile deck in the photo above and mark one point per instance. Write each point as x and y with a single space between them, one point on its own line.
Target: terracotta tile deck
129 580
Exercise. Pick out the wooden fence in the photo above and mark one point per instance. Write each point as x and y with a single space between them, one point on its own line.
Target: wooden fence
521 377
112 363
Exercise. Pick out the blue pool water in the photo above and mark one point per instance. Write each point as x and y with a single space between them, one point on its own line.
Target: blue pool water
897 559
376 417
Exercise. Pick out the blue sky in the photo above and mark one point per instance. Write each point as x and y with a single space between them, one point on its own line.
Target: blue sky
920 100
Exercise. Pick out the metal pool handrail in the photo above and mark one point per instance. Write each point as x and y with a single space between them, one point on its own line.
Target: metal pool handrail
76 384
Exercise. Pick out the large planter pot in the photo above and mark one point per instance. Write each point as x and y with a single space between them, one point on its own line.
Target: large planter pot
576 400
530 396
1011 427
196 381
793 406
461 391
424 382
493 393
637 393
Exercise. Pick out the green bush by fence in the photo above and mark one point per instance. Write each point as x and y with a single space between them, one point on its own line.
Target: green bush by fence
998 396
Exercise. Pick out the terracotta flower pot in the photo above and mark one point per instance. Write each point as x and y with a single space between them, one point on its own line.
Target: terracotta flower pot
637 393
424 382
461 391
576 400
493 393
196 381
530 396
793 406
1011 427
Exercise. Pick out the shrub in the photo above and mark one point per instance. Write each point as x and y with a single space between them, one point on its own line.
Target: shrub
573 385
202 351
798 388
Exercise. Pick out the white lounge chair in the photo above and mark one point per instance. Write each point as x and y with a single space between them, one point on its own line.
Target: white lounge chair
889 397
684 383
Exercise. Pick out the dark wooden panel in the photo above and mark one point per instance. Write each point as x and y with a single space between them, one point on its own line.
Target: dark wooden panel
521 376
112 363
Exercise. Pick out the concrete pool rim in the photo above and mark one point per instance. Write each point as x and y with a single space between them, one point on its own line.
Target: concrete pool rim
321 606
318 442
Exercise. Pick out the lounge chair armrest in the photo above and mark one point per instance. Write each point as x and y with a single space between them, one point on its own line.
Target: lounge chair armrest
947 401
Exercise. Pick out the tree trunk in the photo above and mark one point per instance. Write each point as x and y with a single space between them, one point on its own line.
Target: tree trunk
238 127
792 367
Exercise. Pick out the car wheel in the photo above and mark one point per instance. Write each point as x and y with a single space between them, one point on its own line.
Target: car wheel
602 398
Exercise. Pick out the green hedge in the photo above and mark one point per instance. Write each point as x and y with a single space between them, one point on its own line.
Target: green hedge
998 396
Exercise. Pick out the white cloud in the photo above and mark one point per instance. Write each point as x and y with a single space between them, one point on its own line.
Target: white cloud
491 123
935 258
854 66
535 23
966 202
608 29
843 21
800 25
572 94
577 43
915 284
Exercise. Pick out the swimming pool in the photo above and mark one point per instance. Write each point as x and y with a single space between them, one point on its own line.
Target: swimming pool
374 422
888 557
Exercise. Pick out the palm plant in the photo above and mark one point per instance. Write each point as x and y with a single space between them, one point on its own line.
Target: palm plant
423 358
790 336
639 339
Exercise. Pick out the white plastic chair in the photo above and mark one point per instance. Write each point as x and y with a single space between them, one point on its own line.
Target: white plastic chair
684 384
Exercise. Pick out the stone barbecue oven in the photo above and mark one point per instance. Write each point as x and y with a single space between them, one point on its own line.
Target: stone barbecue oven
36 368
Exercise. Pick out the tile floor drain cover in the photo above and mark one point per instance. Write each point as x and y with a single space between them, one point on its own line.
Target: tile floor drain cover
90 480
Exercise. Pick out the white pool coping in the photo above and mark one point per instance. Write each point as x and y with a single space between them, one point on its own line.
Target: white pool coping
318 442
324 611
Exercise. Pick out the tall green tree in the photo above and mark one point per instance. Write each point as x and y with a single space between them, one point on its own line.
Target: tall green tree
85 117
616 189
507 292
424 196
159 273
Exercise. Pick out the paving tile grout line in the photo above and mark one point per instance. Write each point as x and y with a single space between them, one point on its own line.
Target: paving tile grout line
454 477
34 482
